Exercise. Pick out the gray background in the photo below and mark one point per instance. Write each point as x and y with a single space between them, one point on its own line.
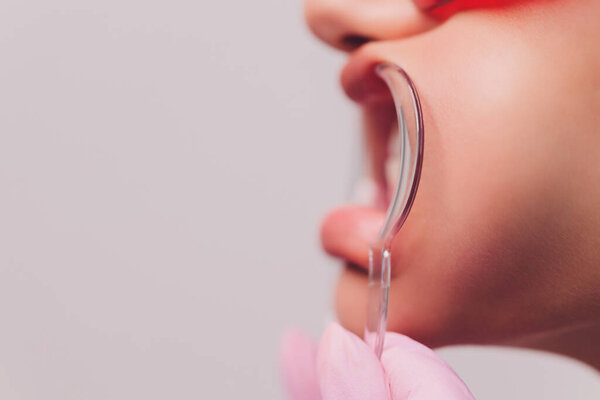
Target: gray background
163 169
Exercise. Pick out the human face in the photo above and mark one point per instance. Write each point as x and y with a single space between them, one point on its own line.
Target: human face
503 240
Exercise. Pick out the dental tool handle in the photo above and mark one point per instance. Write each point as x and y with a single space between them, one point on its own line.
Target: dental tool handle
379 289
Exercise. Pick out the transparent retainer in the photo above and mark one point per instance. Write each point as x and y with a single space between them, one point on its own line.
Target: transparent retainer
410 158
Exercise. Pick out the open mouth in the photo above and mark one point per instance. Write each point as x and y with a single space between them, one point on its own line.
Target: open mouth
348 231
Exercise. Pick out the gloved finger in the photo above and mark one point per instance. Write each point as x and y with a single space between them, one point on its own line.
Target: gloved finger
299 366
414 371
347 368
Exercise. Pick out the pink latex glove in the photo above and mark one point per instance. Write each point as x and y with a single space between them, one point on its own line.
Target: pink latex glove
343 367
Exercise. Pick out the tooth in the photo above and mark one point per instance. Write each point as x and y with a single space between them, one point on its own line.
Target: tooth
392 165
365 191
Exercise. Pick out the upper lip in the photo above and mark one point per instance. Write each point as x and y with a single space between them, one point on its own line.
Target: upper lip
358 77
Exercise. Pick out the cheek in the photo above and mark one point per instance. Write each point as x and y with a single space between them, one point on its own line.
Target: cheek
482 213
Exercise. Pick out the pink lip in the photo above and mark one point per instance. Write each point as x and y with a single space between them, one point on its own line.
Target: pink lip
348 231
359 80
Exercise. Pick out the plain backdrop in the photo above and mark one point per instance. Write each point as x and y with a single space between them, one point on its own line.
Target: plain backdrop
163 169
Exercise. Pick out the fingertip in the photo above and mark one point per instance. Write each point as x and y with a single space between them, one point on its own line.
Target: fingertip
347 368
414 369
298 365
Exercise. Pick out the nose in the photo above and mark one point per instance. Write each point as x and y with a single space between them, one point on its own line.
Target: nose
347 24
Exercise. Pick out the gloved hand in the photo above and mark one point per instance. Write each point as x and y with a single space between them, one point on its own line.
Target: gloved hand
343 367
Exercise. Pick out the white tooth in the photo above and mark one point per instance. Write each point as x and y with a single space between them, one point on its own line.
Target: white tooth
365 191
392 164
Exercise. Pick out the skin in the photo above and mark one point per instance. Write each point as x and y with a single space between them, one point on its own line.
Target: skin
502 245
